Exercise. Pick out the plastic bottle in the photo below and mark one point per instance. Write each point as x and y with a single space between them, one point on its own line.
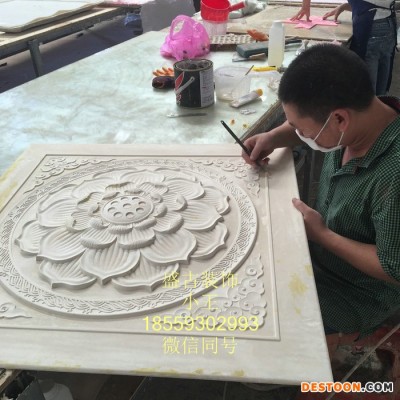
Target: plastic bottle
276 46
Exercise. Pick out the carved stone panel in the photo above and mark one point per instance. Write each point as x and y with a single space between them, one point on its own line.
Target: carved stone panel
149 246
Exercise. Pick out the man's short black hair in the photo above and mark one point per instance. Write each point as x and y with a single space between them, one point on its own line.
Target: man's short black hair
325 77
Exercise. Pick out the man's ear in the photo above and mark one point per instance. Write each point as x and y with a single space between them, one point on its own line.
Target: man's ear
341 118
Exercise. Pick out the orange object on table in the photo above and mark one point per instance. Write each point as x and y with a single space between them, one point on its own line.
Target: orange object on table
258 35
164 71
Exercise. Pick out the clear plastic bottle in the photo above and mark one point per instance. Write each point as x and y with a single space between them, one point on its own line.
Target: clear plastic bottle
276 46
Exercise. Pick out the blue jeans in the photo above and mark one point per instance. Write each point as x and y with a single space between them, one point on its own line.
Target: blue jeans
380 53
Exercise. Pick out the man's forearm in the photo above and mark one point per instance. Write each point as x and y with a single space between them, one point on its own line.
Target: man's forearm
360 255
284 136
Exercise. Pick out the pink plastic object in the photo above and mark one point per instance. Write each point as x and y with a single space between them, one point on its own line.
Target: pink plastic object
186 39
310 24
218 10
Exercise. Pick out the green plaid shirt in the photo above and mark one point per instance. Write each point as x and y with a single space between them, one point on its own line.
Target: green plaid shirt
360 201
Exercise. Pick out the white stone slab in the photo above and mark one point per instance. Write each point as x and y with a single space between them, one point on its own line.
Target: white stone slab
19 15
103 246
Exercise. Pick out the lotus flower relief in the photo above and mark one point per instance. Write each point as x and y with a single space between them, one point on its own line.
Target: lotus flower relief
127 226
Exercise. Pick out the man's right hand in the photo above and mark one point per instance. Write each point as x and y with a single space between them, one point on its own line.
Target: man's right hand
260 147
263 144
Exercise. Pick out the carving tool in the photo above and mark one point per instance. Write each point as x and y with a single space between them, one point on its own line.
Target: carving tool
239 142
240 82
248 71
197 114
237 58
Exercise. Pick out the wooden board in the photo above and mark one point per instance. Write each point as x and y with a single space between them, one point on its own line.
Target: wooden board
263 20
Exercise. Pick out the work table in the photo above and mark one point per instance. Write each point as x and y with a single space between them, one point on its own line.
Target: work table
107 99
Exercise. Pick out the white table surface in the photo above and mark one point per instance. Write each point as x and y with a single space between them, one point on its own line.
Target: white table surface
107 98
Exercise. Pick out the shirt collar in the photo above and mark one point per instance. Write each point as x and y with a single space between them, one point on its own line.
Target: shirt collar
383 142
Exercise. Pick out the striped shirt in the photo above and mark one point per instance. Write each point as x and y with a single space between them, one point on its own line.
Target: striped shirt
361 201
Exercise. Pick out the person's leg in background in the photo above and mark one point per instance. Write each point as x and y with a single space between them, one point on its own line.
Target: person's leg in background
196 4
379 55
393 23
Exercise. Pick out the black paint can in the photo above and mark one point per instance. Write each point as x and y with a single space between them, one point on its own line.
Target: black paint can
194 83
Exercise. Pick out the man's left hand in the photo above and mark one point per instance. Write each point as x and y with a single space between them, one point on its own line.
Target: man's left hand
315 225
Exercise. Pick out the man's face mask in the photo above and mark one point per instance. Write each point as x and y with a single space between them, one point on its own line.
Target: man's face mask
314 145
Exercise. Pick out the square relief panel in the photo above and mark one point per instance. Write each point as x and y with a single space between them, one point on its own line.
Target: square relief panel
166 251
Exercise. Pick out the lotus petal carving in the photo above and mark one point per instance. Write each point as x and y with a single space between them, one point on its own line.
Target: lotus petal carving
30 237
60 245
191 214
131 226
109 262
57 213
66 274
208 243
148 276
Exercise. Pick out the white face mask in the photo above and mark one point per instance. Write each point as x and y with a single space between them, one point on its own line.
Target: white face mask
314 145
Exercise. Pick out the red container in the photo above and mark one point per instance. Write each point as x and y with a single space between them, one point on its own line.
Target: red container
218 10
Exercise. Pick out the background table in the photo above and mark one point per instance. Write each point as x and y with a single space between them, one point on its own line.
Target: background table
30 39
262 21
108 98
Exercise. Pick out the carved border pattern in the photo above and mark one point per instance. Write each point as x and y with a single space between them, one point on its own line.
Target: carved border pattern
57 165
246 299
61 303
240 169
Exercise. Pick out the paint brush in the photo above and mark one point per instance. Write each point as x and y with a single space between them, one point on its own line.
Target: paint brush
240 82
249 70
241 144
